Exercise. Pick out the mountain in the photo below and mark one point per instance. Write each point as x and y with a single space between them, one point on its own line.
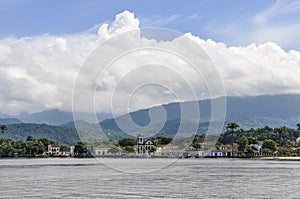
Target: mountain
9 121
62 135
80 123
66 134
248 112
54 117
57 117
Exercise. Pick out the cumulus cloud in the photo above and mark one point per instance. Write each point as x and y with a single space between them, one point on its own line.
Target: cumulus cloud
38 73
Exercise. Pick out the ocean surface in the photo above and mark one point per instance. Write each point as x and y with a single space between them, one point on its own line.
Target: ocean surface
148 178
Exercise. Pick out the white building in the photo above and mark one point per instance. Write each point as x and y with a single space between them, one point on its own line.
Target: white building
101 151
171 151
54 149
298 140
143 147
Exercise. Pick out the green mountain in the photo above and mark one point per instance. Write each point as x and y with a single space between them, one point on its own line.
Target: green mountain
66 134
60 134
248 112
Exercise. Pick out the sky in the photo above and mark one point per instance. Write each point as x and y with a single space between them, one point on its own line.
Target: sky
43 45
233 22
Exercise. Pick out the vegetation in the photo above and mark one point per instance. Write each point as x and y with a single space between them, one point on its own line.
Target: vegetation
197 141
129 149
31 148
127 142
269 146
281 135
59 134
3 128
161 140
280 139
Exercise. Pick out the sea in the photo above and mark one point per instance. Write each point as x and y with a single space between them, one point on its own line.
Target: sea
148 178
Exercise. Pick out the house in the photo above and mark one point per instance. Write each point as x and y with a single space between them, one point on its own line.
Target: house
65 152
101 151
220 151
256 147
171 151
143 147
190 153
158 151
72 149
298 141
54 149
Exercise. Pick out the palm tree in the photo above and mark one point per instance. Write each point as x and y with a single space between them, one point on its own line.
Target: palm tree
281 131
3 128
232 126
298 125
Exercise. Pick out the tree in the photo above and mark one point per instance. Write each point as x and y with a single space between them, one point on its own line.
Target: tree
298 125
243 144
63 148
114 149
165 140
80 148
3 128
269 145
252 140
153 149
129 149
45 142
197 141
29 138
127 142
280 131
232 126
6 149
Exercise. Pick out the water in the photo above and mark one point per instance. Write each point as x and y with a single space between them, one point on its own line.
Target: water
184 178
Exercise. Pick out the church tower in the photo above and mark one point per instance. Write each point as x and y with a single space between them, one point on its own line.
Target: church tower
140 143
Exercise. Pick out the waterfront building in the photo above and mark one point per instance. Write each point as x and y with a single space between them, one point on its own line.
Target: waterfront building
143 147
54 149
101 151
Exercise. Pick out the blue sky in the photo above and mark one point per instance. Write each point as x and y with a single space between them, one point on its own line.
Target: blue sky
230 21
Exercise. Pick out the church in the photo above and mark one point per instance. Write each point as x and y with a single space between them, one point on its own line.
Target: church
143 147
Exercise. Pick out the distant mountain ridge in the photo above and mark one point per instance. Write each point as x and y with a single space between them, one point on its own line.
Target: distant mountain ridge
248 112
52 117
9 121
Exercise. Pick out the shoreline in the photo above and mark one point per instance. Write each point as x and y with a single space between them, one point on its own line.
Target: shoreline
293 158
278 158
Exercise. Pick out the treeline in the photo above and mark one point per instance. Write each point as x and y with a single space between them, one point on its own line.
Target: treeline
280 139
283 136
30 148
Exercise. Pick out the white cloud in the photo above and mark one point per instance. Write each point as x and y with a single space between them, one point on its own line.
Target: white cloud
39 72
159 20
